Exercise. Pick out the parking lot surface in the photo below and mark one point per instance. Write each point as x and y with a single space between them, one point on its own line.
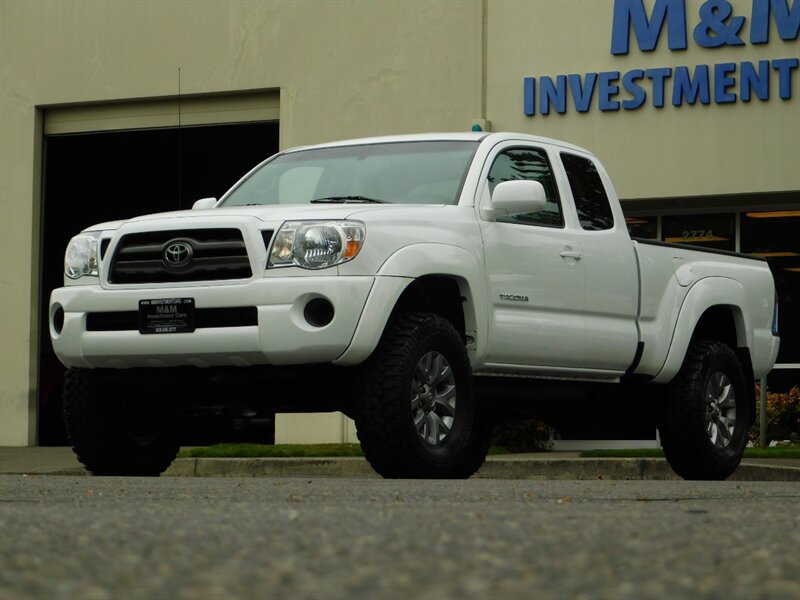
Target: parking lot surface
77 537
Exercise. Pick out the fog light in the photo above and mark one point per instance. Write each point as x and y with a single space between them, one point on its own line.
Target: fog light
318 312
58 319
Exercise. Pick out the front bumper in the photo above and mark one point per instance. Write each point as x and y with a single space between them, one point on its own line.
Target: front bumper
281 336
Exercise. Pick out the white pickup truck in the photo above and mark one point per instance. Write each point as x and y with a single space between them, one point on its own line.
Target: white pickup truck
417 283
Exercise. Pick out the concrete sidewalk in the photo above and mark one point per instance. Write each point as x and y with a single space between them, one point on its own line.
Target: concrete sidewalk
546 465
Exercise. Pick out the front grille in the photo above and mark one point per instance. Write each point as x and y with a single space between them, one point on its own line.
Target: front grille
128 320
215 254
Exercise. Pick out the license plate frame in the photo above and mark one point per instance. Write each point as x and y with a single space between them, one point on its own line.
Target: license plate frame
158 316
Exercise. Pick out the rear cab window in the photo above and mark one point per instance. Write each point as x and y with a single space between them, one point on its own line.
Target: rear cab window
591 199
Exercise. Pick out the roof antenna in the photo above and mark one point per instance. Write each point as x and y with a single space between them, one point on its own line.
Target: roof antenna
180 145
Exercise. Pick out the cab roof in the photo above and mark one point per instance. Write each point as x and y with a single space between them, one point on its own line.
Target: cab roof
481 136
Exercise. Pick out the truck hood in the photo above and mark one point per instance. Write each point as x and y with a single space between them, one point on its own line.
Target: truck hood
271 213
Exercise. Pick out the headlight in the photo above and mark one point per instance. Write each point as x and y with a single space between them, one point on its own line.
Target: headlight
316 244
81 256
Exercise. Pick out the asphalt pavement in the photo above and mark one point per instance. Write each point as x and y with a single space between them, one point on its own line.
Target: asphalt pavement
545 465
188 538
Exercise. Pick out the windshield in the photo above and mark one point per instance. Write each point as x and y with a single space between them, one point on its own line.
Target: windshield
400 172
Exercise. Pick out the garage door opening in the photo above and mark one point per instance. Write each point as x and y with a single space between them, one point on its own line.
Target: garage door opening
95 177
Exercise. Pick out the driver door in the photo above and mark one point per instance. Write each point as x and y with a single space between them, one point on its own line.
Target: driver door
535 271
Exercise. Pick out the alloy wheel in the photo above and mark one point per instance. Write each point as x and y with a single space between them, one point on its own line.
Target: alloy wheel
433 398
720 410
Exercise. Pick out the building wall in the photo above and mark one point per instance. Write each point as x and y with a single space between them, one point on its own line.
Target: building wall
688 150
344 69
355 68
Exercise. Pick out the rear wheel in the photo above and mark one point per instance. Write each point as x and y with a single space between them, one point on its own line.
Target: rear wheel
703 418
416 412
116 431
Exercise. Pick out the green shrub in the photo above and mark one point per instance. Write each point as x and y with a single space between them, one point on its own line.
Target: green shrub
783 416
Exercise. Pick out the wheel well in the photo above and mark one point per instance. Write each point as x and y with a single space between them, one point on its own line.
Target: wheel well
722 323
435 294
717 323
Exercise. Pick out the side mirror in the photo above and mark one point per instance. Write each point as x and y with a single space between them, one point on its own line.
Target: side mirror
204 203
517 197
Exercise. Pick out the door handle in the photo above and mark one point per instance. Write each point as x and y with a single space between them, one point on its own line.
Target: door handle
569 253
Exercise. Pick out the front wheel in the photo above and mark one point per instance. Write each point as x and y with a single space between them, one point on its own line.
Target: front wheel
117 429
703 417
416 412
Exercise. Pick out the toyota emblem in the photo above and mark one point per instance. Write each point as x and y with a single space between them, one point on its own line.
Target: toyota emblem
178 253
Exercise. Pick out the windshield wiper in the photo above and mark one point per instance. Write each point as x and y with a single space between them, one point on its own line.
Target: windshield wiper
347 199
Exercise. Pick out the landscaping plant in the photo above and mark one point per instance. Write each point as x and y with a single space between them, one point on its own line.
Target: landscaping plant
783 416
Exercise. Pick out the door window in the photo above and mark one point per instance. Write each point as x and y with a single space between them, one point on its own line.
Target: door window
530 164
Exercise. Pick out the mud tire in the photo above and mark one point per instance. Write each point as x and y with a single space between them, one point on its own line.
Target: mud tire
384 417
683 414
115 431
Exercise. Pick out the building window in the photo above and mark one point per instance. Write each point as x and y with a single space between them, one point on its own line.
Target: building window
774 236
642 227
705 231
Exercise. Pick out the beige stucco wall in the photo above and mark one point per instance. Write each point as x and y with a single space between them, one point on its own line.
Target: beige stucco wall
354 68
316 428
343 69
673 151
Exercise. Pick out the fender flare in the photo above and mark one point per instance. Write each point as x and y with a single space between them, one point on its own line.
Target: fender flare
398 272
704 294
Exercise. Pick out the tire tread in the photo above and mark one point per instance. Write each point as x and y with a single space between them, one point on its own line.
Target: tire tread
93 428
382 416
681 421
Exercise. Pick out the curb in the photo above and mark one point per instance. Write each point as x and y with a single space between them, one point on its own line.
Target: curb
542 466
654 469
271 467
